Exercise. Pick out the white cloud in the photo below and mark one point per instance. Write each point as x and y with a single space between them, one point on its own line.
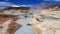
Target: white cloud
6 4
26 5
53 0
56 0
22 5
15 6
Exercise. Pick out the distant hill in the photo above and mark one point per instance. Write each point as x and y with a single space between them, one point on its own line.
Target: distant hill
17 8
51 6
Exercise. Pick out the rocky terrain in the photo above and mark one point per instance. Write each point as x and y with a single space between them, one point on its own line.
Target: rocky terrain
43 20
9 15
46 20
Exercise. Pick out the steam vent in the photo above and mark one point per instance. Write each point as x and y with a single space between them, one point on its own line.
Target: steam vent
46 19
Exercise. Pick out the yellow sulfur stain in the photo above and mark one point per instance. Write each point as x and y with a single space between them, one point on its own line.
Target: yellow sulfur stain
37 30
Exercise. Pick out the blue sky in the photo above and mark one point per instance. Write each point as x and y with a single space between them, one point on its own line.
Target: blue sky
23 2
27 2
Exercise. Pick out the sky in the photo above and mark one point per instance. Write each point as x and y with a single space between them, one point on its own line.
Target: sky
28 3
